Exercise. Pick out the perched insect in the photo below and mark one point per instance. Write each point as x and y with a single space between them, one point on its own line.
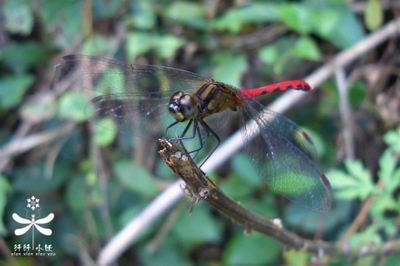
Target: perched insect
145 96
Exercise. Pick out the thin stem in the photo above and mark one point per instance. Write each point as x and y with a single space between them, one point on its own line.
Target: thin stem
345 113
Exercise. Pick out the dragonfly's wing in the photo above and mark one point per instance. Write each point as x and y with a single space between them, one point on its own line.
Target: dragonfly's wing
133 114
126 92
142 79
20 219
46 219
286 157
23 230
44 231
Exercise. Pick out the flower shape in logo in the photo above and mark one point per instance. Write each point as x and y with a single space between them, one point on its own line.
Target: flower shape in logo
33 203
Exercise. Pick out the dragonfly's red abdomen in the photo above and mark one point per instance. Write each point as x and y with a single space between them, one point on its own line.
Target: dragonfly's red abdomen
280 86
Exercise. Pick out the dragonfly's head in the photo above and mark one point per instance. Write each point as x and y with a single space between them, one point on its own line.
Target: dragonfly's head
182 106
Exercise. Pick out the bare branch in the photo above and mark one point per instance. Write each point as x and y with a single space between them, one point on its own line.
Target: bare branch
345 113
18 146
171 195
202 188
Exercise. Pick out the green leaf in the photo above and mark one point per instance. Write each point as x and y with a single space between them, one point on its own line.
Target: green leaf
306 48
358 93
96 45
349 186
340 180
197 227
325 21
347 31
373 14
383 203
369 235
229 67
297 17
331 21
75 106
4 189
387 166
18 16
57 19
234 19
105 133
253 249
110 82
187 13
21 56
278 56
296 258
143 16
138 43
167 46
269 54
136 178
12 89
392 138
358 171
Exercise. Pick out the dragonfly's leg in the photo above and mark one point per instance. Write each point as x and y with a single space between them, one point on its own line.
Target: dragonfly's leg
182 136
200 137
170 126
212 132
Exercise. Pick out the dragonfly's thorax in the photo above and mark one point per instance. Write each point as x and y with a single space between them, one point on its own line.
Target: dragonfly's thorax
214 97
182 106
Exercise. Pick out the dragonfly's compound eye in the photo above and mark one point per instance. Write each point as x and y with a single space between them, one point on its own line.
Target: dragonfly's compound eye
181 106
174 106
187 106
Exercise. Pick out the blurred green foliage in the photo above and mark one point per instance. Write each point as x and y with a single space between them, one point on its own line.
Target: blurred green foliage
222 39
356 181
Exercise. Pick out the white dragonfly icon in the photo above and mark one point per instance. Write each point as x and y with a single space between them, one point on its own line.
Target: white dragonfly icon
33 222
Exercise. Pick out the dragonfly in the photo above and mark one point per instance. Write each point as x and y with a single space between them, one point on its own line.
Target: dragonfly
147 98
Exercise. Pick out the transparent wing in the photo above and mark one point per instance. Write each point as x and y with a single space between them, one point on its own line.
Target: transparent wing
108 75
285 156
125 92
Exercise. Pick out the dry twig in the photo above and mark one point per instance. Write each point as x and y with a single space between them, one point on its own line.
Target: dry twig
170 196
202 188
